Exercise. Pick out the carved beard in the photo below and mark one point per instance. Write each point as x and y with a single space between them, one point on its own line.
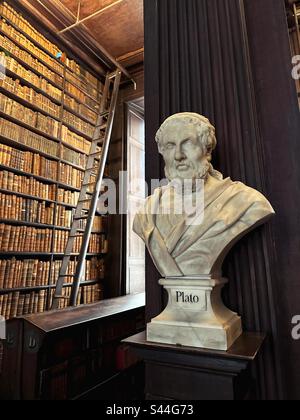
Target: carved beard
202 171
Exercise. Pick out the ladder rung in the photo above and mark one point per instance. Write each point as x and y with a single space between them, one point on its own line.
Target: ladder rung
81 217
67 275
95 154
76 236
61 297
85 200
104 114
89 184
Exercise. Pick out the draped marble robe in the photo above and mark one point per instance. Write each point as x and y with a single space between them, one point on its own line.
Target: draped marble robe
231 210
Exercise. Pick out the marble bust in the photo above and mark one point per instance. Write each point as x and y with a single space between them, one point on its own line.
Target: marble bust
231 209
189 257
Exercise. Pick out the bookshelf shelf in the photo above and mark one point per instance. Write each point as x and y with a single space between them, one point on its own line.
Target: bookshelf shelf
81 80
34 41
27 83
66 101
68 93
21 146
32 224
76 149
31 197
68 108
22 47
49 255
84 92
47 287
30 68
78 132
27 104
27 126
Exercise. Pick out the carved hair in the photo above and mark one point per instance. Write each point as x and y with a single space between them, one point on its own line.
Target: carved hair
206 131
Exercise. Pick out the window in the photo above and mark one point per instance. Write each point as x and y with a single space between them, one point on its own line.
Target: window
135 193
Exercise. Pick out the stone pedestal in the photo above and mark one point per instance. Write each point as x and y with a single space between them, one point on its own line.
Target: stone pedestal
195 315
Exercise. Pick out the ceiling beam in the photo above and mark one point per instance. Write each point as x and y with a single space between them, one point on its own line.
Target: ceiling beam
93 15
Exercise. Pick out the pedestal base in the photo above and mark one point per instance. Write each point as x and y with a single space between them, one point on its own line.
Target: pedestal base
186 373
195 315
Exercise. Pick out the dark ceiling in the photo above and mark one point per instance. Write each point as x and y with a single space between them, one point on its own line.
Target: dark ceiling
119 28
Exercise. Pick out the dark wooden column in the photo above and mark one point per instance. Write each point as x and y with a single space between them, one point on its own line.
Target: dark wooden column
229 60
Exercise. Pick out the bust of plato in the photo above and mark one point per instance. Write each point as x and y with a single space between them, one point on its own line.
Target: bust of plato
229 209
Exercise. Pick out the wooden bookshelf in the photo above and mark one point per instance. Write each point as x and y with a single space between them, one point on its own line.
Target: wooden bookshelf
48 111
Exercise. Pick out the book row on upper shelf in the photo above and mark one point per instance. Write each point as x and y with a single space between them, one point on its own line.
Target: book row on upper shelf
30 273
38 82
31 96
18 20
37 120
25 43
34 64
30 239
22 136
44 72
54 66
29 210
39 166
11 65
16 303
30 186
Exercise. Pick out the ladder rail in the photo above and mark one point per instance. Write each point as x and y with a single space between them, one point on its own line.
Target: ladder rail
97 193
89 171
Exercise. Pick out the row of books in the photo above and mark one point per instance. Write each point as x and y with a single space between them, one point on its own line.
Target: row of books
24 239
93 270
29 239
31 96
86 295
64 216
17 19
98 243
28 162
82 73
46 124
38 81
81 96
27 210
18 304
78 123
81 109
27 185
76 158
91 88
16 274
75 140
38 165
32 62
20 134
68 197
30 46
13 207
